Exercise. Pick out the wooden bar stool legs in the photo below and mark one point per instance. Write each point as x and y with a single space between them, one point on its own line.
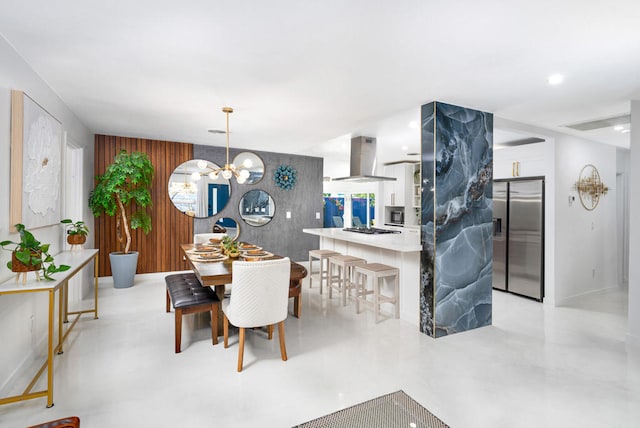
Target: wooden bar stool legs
377 272
341 274
323 257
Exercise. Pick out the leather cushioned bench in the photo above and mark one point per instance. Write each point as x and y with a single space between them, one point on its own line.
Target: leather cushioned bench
70 422
188 297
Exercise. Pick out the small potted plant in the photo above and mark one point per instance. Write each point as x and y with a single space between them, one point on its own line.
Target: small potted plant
30 255
77 232
230 247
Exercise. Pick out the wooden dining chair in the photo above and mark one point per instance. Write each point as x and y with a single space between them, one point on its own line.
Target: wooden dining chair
259 297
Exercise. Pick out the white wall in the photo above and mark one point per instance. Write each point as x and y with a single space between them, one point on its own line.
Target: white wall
633 336
586 241
395 136
572 248
337 165
23 317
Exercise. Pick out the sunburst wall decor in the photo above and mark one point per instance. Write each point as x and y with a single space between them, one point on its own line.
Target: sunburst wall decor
285 177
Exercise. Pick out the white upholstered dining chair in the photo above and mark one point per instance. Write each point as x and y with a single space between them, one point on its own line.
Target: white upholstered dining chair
259 297
203 238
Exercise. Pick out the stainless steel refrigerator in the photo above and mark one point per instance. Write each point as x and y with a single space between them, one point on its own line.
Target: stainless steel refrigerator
518 236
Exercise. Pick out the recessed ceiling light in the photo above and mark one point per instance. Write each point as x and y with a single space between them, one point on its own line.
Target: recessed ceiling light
555 79
618 128
413 124
405 148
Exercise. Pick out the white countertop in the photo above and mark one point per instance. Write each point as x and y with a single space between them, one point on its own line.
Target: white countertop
407 241
77 259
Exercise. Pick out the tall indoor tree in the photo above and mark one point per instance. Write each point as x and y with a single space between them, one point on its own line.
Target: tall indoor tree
126 182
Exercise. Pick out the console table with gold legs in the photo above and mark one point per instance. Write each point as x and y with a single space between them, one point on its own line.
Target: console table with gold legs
77 259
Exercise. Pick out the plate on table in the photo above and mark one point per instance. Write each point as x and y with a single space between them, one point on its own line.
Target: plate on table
255 255
243 246
203 249
211 257
256 252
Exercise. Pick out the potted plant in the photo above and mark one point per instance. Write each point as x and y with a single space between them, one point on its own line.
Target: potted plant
77 232
230 247
30 255
126 182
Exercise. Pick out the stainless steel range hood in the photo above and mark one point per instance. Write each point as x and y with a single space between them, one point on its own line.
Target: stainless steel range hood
363 162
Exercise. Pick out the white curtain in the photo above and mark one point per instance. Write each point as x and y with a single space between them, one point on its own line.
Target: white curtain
201 206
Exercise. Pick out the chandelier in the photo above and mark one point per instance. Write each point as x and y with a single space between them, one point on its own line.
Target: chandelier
229 170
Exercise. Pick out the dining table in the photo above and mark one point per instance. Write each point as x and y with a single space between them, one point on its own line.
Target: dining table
218 273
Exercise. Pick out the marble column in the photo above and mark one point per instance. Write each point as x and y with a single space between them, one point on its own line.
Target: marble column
456 233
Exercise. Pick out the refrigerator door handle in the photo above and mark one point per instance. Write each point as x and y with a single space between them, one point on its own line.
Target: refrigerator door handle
497 226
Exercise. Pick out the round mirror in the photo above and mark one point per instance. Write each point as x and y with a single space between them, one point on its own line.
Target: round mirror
257 207
252 163
227 226
196 190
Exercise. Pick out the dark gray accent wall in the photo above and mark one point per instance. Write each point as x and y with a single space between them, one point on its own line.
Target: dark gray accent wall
280 236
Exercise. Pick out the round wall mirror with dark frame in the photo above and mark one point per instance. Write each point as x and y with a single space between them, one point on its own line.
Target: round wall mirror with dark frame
257 207
252 163
195 191
227 225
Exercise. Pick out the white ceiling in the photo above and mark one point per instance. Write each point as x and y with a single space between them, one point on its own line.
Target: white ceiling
304 75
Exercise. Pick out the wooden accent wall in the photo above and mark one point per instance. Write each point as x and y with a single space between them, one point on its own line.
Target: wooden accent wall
159 251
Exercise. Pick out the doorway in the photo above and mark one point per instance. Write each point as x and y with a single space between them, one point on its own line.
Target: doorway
73 203
622 226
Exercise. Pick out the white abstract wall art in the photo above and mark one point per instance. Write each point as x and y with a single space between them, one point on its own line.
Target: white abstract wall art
36 161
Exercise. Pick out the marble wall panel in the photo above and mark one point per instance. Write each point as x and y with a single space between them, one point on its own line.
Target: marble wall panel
456 233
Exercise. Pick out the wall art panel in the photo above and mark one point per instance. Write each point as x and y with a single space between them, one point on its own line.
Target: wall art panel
36 163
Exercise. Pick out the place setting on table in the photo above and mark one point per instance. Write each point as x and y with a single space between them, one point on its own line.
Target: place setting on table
251 252
206 253
212 263
217 251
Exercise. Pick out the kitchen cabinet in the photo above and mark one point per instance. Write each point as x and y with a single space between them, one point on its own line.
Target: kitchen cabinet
395 191
399 195
523 161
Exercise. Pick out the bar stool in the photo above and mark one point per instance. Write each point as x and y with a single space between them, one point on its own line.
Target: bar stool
342 280
377 272
322 255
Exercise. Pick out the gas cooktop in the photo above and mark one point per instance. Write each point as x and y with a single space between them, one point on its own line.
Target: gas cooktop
370 230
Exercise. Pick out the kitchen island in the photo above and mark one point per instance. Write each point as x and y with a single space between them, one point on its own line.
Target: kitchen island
401 250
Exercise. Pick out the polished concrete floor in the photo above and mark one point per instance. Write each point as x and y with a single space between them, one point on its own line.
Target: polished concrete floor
535 367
